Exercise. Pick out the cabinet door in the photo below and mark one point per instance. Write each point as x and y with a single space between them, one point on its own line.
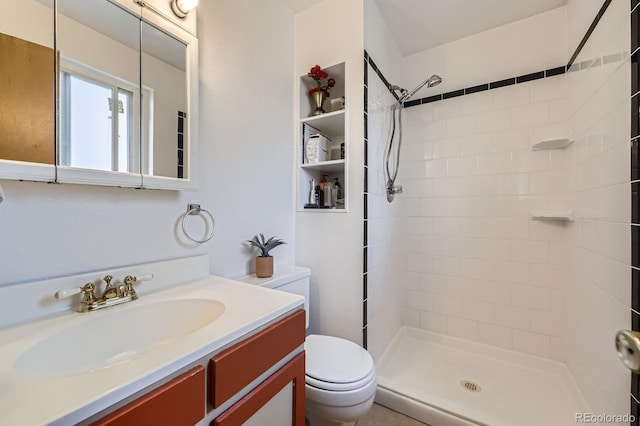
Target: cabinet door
234 368
179 402
243 410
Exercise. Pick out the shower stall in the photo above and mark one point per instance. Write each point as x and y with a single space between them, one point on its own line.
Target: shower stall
496 279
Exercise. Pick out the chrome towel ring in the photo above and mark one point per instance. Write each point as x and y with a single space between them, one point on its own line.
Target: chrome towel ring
195 209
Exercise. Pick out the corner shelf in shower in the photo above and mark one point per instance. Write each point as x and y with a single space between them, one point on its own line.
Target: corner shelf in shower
553 215
548 144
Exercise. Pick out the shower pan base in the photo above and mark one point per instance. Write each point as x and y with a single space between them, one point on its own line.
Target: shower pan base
444 381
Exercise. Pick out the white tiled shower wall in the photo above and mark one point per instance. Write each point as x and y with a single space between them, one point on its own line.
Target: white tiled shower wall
385 221
386 226
598 182
478 267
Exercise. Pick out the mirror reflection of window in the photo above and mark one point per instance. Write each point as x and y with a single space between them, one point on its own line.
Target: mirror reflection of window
99 96
97 120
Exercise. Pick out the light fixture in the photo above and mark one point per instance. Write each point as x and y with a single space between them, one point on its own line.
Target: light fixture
182 7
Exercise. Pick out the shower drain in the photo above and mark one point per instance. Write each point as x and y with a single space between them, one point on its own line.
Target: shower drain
470 386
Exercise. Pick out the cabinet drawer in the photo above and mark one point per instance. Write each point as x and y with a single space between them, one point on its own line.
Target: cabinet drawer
179 402
250 404
237 366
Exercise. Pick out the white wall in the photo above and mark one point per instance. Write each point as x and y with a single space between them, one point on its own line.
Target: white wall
331 243
380 44
41 32
169 96
599 241
529 45
245 127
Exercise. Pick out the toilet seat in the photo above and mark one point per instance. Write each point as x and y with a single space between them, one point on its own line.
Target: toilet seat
330 386
336 364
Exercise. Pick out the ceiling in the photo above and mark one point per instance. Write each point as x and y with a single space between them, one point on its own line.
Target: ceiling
417 25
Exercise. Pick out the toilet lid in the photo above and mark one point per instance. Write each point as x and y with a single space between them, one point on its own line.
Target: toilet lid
336 361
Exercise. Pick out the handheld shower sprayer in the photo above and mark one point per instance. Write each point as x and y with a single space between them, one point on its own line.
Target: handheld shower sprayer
402 95
434 80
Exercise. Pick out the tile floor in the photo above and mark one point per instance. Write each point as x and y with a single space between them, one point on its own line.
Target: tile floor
382 416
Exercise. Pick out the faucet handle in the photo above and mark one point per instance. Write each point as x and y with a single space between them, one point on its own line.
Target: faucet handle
87 289
68 292
108 279
129 279
143 277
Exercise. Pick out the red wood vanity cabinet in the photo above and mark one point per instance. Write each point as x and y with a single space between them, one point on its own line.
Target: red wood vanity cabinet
182 401
179 402
234 368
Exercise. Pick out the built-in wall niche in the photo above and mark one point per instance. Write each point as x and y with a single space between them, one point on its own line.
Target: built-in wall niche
126 96
322 148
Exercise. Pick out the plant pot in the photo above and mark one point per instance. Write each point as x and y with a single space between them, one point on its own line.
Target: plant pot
318 101
264 266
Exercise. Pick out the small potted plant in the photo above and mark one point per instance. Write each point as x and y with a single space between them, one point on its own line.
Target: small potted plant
264 262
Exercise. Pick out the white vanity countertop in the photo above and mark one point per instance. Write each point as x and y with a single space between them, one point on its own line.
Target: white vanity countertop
69 398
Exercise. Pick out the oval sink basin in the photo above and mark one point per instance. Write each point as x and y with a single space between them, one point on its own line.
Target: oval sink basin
102 341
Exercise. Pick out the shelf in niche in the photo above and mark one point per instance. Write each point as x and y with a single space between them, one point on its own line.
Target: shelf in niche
330 124
324 210
548 144
332 166
553 215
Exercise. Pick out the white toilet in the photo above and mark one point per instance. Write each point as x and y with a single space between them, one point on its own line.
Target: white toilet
340 375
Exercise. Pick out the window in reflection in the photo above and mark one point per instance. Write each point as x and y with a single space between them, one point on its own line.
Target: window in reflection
98 114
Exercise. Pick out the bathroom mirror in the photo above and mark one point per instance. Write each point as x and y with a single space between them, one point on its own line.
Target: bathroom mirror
169 69
126 94
27 75
164 104
99 93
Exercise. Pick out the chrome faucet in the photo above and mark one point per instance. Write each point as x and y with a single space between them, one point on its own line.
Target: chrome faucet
112 295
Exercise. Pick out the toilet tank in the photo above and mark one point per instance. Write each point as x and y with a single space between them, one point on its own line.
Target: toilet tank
291 279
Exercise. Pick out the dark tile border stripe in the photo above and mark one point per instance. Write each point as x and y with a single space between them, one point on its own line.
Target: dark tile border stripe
365 249
487 86
530 77
453 94
502 83
365 240
634 153
476 89
555 71
592 27
369 59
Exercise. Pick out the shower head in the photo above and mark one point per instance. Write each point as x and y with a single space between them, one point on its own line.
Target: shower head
434 80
